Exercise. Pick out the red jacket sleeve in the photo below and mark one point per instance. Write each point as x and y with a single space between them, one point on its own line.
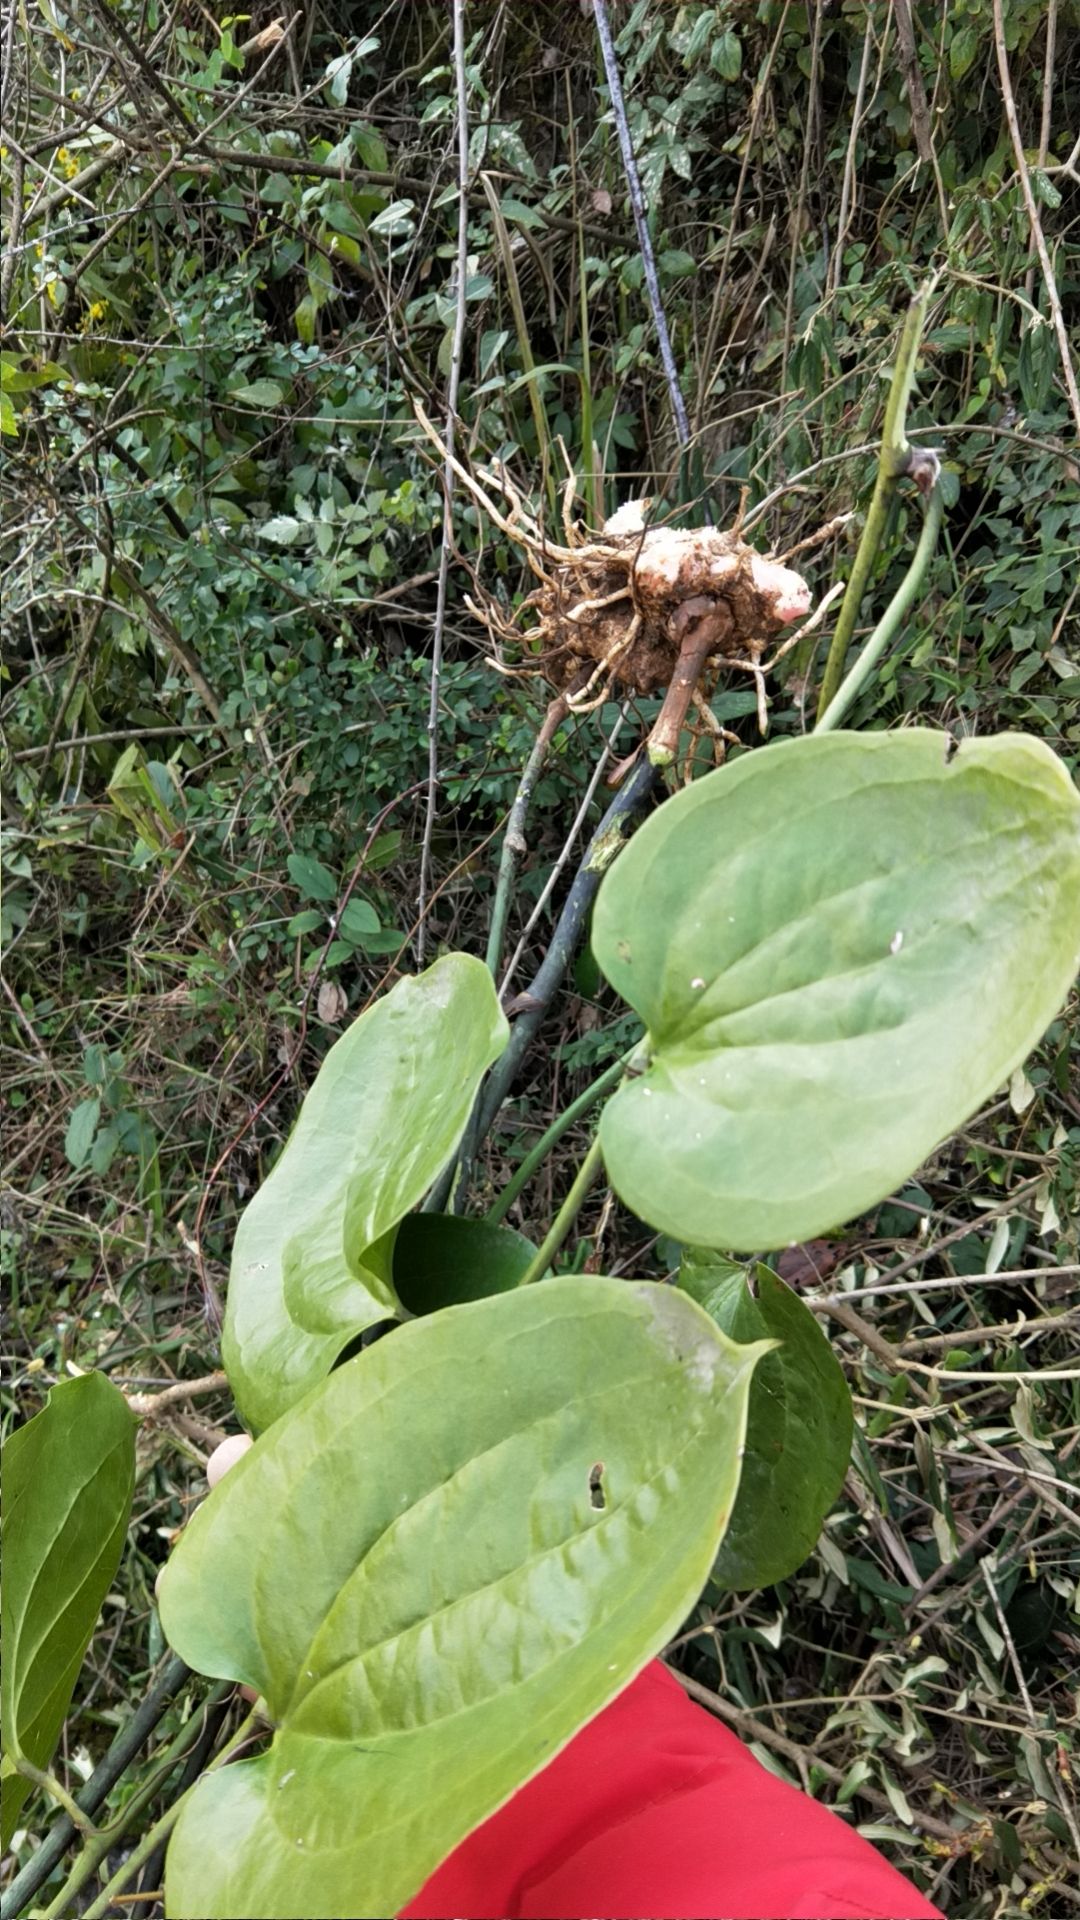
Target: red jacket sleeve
655 1811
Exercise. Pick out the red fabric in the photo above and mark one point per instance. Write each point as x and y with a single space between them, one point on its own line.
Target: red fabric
655 1811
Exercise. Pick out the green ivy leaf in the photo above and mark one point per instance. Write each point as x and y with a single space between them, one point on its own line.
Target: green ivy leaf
492 1520
384 850
1045 189
304 319
387 1109
963 48
68 1474
311 879
309 921
517 211
799 1426
726 55
20 379
261 393
81 1129
442 1260
387 940
358 921
370 150
284 529
337 76
675 261
395 220
105 1148
841 946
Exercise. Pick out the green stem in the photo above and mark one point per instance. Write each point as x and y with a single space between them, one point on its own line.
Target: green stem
104 1839
890 620
48 1783
521 326
892 461
552 1136
60 1908
513 845
565 1217
607 841
38 1869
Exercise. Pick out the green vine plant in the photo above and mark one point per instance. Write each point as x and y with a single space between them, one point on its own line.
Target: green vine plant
447 1550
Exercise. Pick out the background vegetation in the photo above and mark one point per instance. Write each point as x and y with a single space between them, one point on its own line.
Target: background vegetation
230 270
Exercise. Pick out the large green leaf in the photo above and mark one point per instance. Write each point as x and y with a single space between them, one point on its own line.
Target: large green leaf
443 1259
840 946
446 1560
68 1478
798 1429
311 1260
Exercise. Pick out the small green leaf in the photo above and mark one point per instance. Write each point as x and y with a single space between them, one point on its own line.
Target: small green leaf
336 952
261 393
95 1066
8 418
68 1475
304 319
370 150
442 1260
963 48
284 530
384 850
344 248
396 219
341 219
337 75
309 921
726 55
492 1520
16 379
387 1109
517 211
81 1129
387 940
841 946
311 878
1045 189
358 921
105 1148
799 1426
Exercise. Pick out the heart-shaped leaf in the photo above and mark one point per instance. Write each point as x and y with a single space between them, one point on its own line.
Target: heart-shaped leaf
841 946
358 921
310 877
436 1569
387 1109
443 1259
798 1430
69 1474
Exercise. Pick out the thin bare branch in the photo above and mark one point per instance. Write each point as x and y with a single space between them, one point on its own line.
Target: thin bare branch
456 351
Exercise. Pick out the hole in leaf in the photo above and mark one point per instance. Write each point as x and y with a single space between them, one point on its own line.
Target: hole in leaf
597 1496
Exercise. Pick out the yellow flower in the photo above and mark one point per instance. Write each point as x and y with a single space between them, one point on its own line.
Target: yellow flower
67 163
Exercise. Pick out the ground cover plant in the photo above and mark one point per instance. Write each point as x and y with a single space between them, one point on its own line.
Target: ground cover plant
331 350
